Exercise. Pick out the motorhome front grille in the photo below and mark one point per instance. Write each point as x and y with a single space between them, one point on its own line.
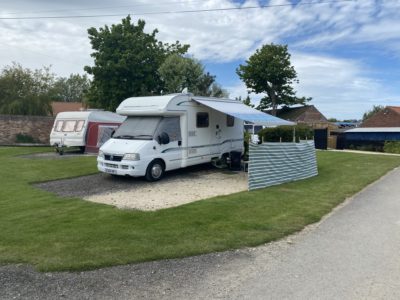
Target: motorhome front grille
111 166
112 157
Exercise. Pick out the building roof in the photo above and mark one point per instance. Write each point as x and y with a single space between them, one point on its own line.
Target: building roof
58 107
374 129
305 114
388 117
395 109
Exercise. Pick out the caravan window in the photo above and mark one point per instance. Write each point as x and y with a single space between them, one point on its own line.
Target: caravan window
202 120
230 121
79 125
171 126
69 126
58 126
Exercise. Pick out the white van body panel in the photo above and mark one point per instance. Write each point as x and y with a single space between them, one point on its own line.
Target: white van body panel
197 144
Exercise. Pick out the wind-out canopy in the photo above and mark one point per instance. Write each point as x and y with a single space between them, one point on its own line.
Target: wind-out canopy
241 111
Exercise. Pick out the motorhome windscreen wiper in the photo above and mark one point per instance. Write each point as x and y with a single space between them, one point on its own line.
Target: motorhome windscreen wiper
149 136
132 137
126 137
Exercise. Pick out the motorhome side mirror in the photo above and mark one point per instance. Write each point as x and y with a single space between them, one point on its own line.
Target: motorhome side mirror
163 138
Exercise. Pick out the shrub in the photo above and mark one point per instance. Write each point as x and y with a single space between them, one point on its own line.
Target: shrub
285 133
25 139
392 147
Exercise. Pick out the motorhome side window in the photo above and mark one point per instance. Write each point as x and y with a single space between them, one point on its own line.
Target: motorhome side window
230 121
202 120
171 126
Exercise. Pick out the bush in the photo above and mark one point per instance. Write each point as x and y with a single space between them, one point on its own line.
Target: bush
25 139
285 133
392 147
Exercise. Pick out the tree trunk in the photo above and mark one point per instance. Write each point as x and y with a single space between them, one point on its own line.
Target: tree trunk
272 96
273 103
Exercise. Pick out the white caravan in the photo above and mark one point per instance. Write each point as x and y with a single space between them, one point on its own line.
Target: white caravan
163 133
87 130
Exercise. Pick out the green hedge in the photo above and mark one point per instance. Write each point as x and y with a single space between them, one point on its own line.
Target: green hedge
392 147
285 133
25 139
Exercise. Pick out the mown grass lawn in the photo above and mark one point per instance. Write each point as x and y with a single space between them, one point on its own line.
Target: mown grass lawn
54 233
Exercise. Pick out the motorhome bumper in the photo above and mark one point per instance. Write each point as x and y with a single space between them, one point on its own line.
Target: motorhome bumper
123 168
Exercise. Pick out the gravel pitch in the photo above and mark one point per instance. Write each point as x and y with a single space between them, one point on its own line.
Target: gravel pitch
189 184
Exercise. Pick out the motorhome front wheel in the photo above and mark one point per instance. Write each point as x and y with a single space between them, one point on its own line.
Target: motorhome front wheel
155 170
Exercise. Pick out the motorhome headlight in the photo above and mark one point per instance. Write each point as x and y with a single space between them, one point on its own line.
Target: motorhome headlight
101 154
131 156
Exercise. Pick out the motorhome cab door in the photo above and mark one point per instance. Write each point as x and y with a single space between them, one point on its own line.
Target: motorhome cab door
172 151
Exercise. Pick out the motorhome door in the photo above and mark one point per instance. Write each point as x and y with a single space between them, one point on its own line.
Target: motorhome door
199 134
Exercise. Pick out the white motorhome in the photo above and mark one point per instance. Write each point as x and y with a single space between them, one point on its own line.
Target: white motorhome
87 130
163 133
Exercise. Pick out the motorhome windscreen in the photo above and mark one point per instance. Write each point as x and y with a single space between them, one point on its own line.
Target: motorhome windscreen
137 128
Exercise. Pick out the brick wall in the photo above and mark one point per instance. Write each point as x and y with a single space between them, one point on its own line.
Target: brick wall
37 127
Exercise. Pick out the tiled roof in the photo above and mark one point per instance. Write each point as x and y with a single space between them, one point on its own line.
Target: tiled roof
306 113
395 108
388 117
66 106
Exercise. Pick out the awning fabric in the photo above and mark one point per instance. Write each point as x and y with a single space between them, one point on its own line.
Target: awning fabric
241 111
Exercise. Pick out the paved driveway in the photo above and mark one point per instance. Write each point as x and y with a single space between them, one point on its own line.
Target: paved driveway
352 254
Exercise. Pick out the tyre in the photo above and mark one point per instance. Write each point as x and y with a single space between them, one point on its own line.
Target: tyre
155 171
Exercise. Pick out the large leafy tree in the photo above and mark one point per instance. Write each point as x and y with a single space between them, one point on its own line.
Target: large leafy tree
269 71
71 89
24 91
179 72
126 60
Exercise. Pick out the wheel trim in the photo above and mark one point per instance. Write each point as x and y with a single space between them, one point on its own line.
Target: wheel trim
156 171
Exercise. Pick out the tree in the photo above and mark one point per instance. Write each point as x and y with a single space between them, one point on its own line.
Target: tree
126 60
178 72
245 101
372 111
71 89
25 92
269 71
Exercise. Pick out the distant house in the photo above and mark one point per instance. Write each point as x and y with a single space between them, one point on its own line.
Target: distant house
375 131
307 114
58 107
388 117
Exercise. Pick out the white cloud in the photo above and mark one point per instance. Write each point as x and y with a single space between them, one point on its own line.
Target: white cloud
339 87
214 36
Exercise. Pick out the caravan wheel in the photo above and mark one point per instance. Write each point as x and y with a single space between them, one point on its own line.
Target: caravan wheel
155 171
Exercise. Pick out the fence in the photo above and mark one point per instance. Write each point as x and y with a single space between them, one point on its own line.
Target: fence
276 163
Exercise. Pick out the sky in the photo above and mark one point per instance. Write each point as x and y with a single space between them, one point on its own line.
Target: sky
346 53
